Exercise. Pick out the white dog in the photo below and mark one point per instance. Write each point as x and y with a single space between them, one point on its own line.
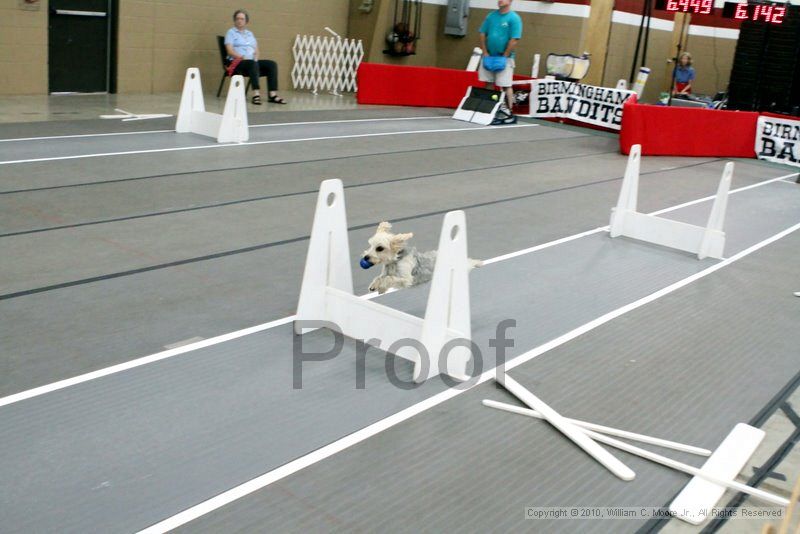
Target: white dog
400 266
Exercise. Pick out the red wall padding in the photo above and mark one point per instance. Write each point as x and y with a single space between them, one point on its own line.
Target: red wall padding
397 85
677 131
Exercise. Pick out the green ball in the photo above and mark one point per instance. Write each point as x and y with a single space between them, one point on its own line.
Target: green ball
495 97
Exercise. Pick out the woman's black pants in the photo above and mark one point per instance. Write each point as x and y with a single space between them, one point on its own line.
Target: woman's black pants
257 69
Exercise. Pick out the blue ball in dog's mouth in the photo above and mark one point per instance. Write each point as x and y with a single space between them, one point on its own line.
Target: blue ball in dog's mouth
365 263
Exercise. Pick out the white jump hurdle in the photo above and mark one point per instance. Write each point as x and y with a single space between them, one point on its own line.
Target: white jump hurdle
230 127
704 491
709 482
327 293
708 241
477 110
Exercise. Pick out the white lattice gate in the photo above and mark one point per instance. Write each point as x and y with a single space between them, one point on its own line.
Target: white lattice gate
326 63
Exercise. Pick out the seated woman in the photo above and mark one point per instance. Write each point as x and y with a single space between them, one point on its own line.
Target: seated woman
684 75
243 56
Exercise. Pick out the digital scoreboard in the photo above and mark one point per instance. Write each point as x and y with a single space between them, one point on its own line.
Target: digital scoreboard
760 12
773 13
697 7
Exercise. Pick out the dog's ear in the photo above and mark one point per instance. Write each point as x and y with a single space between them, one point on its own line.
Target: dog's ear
384 227
399 240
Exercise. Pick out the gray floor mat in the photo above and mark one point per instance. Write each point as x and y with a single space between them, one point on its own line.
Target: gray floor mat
108 454
82 170
100 126
59 333
23 211
687 367
72 147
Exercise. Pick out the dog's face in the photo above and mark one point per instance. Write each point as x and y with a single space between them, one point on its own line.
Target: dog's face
384 245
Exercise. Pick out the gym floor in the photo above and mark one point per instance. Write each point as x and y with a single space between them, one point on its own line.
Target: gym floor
128 249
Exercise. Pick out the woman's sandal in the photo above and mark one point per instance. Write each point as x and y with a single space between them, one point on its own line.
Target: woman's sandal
257 100
277 100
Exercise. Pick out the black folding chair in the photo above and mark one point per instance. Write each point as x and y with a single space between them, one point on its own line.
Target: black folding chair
223 54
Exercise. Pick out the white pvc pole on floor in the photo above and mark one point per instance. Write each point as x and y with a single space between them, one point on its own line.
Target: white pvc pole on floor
569 429
609 431
674 464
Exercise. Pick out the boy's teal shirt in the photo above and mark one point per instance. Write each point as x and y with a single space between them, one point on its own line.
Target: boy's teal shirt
499 29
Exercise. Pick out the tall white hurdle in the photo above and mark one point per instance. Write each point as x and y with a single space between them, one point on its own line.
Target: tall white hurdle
230 127
327 294
708 241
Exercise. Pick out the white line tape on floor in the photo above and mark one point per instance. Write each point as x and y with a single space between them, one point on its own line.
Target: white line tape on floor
251 143
365 433
74 136
138 362
447 117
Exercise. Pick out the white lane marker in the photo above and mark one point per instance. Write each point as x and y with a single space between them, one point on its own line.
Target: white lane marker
737 190
367 432
74 136
251 143
61 384
189 341
448 117
138 362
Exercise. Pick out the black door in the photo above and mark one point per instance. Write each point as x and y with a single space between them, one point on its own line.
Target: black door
79 39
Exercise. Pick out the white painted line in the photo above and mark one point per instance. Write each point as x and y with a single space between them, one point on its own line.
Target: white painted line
270 142
251 126
543 246
605 228
632 19
713 31
542 7
184 342
61 384
737 190
365 433
352 120
81 135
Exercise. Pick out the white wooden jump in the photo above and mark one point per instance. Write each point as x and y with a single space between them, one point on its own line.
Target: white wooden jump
230 127
709 482
477 110
708 241
327 293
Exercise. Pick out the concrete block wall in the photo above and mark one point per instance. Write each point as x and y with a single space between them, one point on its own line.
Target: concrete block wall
23 49
159 39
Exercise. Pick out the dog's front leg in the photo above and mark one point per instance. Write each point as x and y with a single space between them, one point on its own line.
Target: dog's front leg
382 284
397 282
378 284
